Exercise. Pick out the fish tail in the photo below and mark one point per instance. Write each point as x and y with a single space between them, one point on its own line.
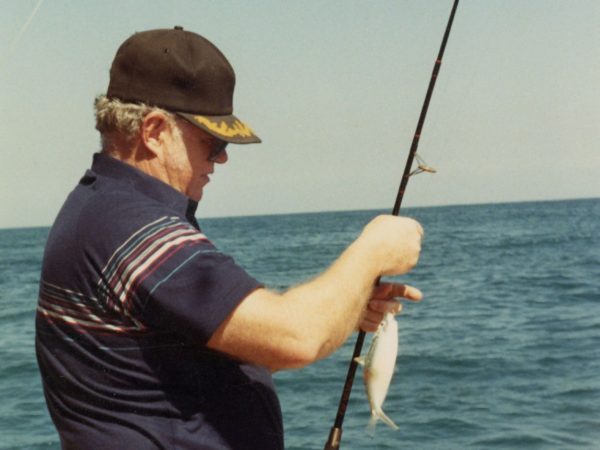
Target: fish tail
372 423
380 415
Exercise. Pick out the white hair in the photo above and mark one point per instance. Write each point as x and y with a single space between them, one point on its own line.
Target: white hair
117 119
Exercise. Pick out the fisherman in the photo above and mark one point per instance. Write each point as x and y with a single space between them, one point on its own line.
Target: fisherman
147 336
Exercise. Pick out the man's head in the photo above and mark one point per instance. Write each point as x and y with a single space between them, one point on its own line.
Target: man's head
169 90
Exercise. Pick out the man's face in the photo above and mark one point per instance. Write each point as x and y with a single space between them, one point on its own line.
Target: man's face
189 161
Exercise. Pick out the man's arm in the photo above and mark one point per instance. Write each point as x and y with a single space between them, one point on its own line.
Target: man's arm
310 321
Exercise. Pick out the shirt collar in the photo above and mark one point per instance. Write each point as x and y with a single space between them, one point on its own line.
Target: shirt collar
149 186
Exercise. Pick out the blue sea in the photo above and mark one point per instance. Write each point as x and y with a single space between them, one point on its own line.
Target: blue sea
503 352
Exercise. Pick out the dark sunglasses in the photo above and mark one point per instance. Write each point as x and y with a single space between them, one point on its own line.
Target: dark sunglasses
218 147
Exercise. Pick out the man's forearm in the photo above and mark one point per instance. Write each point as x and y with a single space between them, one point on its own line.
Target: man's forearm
331 304
310 321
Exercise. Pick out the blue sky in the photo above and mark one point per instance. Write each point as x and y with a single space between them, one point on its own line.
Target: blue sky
334 89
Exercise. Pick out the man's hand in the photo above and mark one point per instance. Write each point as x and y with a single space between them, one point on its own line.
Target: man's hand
393 244
383 301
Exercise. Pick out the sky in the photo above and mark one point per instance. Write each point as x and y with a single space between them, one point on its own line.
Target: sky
334 89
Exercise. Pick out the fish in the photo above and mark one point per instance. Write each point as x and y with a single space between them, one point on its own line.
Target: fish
378 368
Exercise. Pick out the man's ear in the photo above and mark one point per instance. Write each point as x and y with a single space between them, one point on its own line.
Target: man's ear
153 133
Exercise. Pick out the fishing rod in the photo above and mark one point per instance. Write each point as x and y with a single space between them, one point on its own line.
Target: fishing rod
335 435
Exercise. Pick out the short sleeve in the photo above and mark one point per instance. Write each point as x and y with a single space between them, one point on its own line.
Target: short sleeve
167 276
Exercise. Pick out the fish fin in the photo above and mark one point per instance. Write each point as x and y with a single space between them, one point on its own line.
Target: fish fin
360 360
381 416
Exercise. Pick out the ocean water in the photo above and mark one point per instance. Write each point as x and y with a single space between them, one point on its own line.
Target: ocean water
503 352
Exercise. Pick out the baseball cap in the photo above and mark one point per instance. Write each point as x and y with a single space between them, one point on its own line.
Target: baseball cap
182 72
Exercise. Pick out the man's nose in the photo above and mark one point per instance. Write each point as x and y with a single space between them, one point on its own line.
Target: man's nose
222 157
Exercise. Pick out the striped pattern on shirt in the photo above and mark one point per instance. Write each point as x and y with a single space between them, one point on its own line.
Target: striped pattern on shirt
142 255
118 294
65 306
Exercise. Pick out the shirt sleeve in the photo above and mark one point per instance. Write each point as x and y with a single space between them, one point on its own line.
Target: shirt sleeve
168 277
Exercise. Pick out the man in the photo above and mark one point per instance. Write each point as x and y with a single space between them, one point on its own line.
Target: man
147 336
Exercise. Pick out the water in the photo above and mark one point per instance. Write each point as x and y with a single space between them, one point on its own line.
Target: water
503 353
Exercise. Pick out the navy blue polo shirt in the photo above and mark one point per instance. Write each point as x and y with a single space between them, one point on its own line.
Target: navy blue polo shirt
131 290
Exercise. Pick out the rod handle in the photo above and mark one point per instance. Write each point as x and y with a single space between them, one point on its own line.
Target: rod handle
335 437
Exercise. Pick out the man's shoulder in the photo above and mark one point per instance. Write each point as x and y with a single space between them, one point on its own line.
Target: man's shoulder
120 213
95 223
106 214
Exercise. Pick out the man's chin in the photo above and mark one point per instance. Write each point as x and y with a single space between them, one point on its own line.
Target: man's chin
195 194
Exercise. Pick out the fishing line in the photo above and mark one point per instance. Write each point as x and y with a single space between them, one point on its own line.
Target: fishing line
21 32
469 86
335 435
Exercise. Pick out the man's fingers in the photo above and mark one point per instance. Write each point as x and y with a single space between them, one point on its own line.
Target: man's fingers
375 313
396 290
382 307
369 327
384 301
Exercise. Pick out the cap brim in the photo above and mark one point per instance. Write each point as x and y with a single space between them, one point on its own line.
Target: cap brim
227 128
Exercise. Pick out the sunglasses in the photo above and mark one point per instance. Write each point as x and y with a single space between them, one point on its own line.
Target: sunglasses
217 147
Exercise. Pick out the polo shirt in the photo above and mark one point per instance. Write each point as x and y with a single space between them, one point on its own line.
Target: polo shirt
130 292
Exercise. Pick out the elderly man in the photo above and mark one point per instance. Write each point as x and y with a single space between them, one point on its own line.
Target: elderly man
147 336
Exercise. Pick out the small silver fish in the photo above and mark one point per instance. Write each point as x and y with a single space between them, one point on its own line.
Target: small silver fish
379 367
